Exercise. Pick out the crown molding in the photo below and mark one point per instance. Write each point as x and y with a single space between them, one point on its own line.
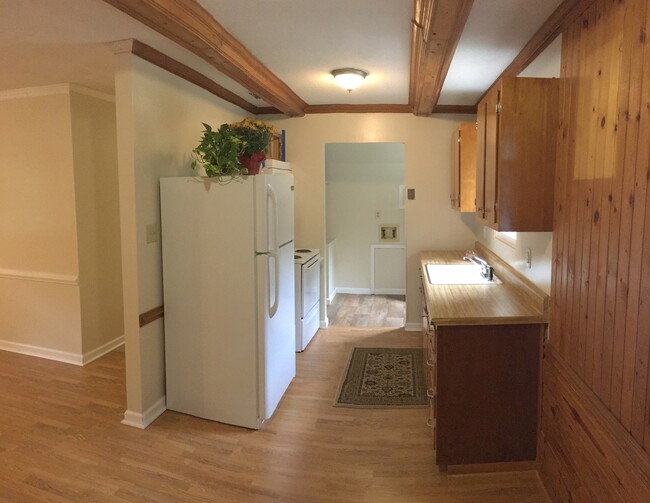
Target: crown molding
54 89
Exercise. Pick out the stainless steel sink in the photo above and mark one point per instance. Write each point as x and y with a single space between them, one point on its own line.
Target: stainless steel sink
457 274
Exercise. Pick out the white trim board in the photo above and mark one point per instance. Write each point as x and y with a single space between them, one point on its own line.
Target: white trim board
355 291
389 291
367 291
413 327
142 420
62 356
42 277
102 350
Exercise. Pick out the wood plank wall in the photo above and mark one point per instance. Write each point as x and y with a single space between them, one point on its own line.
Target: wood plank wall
595 413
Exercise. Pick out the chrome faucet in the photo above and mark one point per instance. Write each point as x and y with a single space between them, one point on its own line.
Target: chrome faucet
487 271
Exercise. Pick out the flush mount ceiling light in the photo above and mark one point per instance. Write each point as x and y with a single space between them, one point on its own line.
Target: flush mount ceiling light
349 78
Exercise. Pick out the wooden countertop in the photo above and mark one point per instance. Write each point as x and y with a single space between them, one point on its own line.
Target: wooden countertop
514 301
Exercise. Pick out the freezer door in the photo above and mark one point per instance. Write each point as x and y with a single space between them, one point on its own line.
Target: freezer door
274 211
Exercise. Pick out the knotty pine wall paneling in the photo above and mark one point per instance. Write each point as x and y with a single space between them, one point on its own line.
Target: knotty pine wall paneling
596 397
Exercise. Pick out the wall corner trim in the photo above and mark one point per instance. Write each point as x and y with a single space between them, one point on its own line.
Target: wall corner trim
96 353
413 327
142 420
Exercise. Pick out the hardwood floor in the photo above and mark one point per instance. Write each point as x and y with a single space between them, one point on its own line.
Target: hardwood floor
61 440
351 310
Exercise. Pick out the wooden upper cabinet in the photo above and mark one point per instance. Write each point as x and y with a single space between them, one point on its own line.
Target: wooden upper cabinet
463 174
517 126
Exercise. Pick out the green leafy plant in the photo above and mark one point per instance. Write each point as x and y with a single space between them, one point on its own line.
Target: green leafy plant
255 134
219 151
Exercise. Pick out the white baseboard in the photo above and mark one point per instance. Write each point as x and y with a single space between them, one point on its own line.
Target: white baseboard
390 291
368 291
96 353
413 327
324 323
62 356
355 291
40 352
138 420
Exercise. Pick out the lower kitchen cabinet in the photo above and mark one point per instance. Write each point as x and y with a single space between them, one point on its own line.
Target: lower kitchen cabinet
484 392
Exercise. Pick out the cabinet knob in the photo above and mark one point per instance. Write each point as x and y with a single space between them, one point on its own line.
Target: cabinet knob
430 422
431 392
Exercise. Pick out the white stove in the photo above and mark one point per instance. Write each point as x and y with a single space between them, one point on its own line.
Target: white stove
307 264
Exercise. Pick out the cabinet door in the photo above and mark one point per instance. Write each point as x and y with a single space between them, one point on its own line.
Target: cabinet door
466 192
454 194
517 127
526 154
481 117
487 393
492 156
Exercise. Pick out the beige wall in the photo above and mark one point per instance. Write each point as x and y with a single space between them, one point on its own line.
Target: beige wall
429 222
39 292
98 219
362 179
540 244
159 122
59 223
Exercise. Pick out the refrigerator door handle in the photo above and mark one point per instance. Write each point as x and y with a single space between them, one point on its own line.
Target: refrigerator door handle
272 209
273 301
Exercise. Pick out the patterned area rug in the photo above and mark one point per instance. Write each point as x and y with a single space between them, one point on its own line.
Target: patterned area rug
383 378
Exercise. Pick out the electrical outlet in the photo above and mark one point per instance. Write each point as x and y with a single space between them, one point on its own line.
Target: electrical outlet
153 235
377 214
529 258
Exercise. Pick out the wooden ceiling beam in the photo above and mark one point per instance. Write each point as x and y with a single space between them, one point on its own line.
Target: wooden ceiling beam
191 26
437 27
566 12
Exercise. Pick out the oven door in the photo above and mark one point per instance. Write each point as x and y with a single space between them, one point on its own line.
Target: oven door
310 285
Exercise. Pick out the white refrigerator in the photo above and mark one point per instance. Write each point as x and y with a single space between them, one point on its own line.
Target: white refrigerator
228 281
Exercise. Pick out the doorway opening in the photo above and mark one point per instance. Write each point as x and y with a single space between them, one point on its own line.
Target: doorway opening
366 252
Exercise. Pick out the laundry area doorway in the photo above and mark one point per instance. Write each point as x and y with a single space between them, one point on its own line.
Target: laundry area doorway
366 255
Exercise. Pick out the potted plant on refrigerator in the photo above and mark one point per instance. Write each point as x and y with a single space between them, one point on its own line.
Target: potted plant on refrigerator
218 152
255 136
234 149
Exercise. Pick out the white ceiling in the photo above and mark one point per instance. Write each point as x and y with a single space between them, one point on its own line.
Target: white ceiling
301 41
495 32
52 41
